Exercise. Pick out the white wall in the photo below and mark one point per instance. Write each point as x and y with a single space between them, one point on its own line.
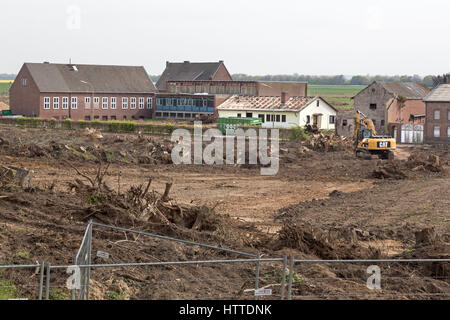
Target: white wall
323 109
292 118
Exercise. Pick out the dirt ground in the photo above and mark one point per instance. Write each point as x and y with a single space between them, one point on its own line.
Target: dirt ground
320 205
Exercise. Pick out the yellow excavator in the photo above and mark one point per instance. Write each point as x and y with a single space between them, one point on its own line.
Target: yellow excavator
367 143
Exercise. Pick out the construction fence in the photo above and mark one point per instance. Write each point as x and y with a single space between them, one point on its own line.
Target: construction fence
94 275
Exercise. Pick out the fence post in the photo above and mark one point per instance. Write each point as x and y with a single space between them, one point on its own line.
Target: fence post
283 277
257 275
89 259
291 275
73 291
47 281
41 279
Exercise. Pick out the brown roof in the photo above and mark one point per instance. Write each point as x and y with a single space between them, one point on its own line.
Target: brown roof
4 106
187 71
237 102
440 94
409 90
51 77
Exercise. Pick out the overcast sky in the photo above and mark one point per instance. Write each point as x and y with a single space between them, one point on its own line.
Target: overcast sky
320 37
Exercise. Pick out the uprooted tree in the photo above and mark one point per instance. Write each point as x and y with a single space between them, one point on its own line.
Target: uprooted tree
139 203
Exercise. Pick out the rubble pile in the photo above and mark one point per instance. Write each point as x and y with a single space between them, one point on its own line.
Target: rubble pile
321 142
419 162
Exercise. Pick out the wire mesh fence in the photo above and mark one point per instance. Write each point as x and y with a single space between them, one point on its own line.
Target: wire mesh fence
369 279
141 269
186 280
21 282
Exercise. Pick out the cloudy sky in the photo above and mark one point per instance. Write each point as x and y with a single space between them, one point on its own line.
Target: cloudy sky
321 37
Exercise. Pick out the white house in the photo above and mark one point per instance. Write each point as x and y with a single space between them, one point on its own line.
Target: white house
281 112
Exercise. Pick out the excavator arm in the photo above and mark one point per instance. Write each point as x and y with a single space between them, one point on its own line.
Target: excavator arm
362 120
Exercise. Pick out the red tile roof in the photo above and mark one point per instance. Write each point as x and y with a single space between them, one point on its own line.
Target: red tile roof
237 102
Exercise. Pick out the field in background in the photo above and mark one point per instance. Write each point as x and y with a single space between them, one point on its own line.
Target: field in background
338 95
5 85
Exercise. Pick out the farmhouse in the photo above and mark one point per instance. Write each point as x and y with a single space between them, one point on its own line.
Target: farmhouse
192 71
281 111
82 92
437 116
394 107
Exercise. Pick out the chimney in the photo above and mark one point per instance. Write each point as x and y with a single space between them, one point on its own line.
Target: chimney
220 61
167 64
284 97
46 62
186 62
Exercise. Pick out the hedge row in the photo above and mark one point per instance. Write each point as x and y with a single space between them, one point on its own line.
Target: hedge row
297 133
107 126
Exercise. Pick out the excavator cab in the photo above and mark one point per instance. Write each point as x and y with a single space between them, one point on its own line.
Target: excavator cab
368 143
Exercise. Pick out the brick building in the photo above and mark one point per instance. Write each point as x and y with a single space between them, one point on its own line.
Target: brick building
394 107
192 71
437 116
244 88
82 92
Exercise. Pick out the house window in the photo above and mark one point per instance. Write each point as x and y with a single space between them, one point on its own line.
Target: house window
24 82
133 103
96 102
268 117
105 103
87 102
278 118
141 103
273 118
239 115
382 122
105 118
124 103
308 119
373 106
261 116
283 118
74 103
332 119
437 131
56 103
47 103
87 118
344 122
318 103
113 118
249 115
437 114
149 103
113 103
96 117
65 103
